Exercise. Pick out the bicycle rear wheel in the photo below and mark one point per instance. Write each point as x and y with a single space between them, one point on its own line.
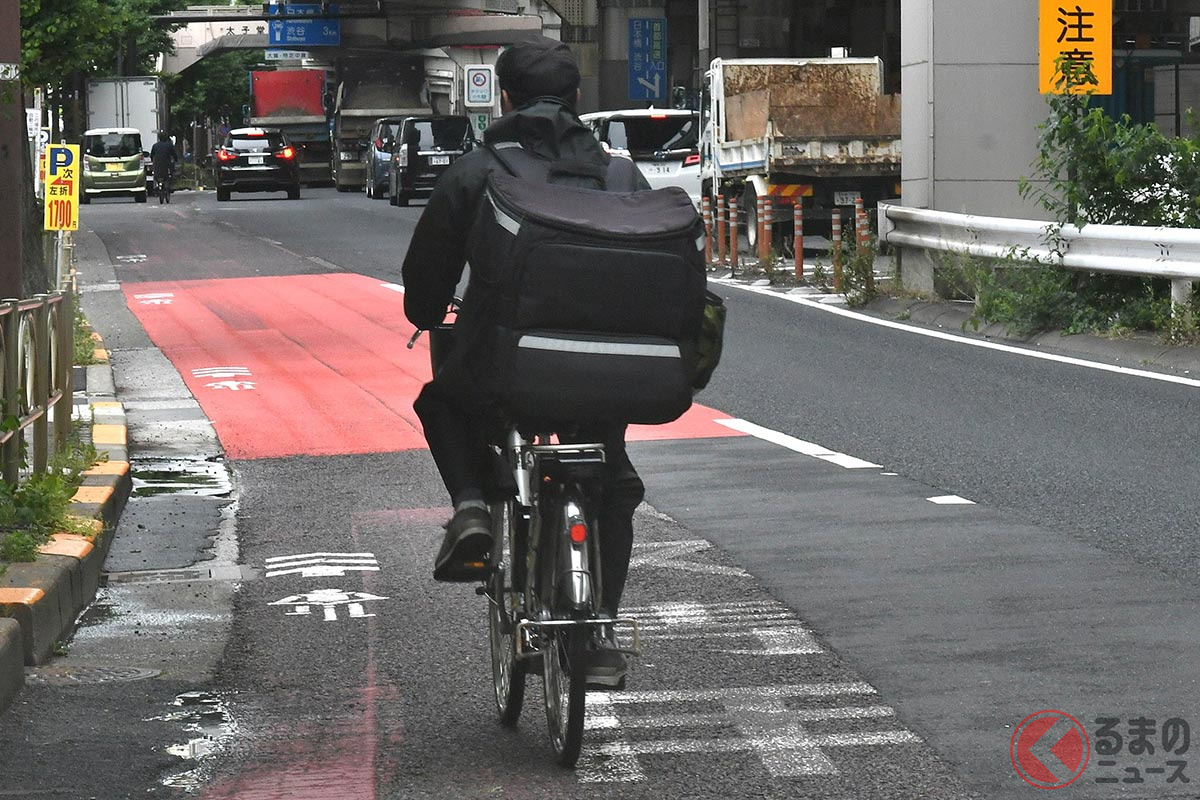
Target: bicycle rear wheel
504 604
564 684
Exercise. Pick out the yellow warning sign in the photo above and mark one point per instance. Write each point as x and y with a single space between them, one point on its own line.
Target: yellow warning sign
62 187
1075 45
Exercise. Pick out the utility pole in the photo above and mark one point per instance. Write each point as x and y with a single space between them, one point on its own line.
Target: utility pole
12 149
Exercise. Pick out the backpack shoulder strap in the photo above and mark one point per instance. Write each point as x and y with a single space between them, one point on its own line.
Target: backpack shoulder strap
621 175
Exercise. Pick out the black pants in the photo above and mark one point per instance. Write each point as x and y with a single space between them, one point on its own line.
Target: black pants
457 437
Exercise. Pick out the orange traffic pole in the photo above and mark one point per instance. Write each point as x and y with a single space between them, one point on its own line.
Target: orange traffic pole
706 214
760 225
798 237
721 230
768 227
733 234
836 249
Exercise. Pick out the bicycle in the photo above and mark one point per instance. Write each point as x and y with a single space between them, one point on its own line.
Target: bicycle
162 188
544 582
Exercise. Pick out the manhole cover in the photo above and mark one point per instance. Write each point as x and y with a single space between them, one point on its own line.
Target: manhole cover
79 676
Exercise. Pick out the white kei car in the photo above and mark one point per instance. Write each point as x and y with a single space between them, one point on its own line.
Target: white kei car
663 142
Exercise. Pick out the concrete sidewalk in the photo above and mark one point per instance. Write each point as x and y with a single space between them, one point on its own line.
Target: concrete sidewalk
40 601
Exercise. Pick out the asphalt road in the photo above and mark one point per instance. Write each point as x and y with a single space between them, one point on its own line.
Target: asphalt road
817 626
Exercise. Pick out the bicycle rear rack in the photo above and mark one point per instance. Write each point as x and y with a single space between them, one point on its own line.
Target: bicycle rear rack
534 626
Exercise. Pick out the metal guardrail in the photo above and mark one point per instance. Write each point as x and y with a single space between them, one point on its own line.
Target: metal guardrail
1159 252
36 350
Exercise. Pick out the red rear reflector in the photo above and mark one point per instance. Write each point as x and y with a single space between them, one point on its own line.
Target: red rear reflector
694 158
287 152
578 533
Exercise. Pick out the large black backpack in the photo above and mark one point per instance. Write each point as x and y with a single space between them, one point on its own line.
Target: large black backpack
584 304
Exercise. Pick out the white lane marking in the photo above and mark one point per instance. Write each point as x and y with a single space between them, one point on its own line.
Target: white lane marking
950 500
783 690
320 565
671 555
621 764
220 372
608 720
950 337
155 298
797 445
767 727
776 627
395 287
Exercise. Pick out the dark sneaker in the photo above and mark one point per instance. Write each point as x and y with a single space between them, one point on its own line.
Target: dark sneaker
606 664
465 550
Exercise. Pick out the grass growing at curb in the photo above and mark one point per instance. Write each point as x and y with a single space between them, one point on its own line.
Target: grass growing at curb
40 506
84 345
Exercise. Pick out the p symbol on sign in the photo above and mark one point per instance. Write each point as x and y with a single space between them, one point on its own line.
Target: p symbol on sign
60 159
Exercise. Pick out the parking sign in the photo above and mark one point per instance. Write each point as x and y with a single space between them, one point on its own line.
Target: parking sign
62 187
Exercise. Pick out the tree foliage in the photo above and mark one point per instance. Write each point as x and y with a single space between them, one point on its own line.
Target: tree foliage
1091 168
96 37
214 88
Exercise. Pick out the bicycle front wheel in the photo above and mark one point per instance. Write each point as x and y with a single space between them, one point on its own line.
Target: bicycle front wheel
504 605
564 683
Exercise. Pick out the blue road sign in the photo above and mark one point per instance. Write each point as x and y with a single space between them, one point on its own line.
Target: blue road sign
298 26
647 58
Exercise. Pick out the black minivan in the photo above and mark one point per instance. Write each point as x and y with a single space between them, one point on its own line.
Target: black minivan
425 148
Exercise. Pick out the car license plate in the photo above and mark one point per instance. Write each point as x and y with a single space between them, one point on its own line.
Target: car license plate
844 198
254 160
114 167
439 161
662 169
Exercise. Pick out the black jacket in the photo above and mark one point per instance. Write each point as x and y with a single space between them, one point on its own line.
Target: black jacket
438 250
162 157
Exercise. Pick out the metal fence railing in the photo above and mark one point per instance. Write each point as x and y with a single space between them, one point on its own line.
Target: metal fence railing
1172 253
36 349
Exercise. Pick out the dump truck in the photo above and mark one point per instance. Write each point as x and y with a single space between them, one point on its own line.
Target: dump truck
293 100
814 131
364 95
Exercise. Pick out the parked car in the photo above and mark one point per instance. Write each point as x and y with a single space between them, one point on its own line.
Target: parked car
379 156
425 147
257 160
664 143
112 164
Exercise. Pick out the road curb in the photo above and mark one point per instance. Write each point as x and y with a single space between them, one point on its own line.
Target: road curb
41 601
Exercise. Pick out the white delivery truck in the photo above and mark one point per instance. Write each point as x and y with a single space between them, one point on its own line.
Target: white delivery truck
134 102
815 131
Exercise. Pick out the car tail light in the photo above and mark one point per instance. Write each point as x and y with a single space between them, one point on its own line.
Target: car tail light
379 144
658 116
694 158
225 155
286 153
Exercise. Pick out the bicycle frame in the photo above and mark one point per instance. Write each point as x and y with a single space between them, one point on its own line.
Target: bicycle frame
566 548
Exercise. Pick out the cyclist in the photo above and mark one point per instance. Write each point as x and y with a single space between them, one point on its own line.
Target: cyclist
539 87
162 160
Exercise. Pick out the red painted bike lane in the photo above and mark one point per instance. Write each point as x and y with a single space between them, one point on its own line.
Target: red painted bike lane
310 364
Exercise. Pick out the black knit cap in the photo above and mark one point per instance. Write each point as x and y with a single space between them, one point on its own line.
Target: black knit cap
538 67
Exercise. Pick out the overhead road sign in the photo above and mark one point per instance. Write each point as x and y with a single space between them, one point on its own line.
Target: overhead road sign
304 26
647 58
1075 47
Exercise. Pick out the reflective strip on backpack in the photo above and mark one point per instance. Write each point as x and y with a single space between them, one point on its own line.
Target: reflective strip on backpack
509 224
600 348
